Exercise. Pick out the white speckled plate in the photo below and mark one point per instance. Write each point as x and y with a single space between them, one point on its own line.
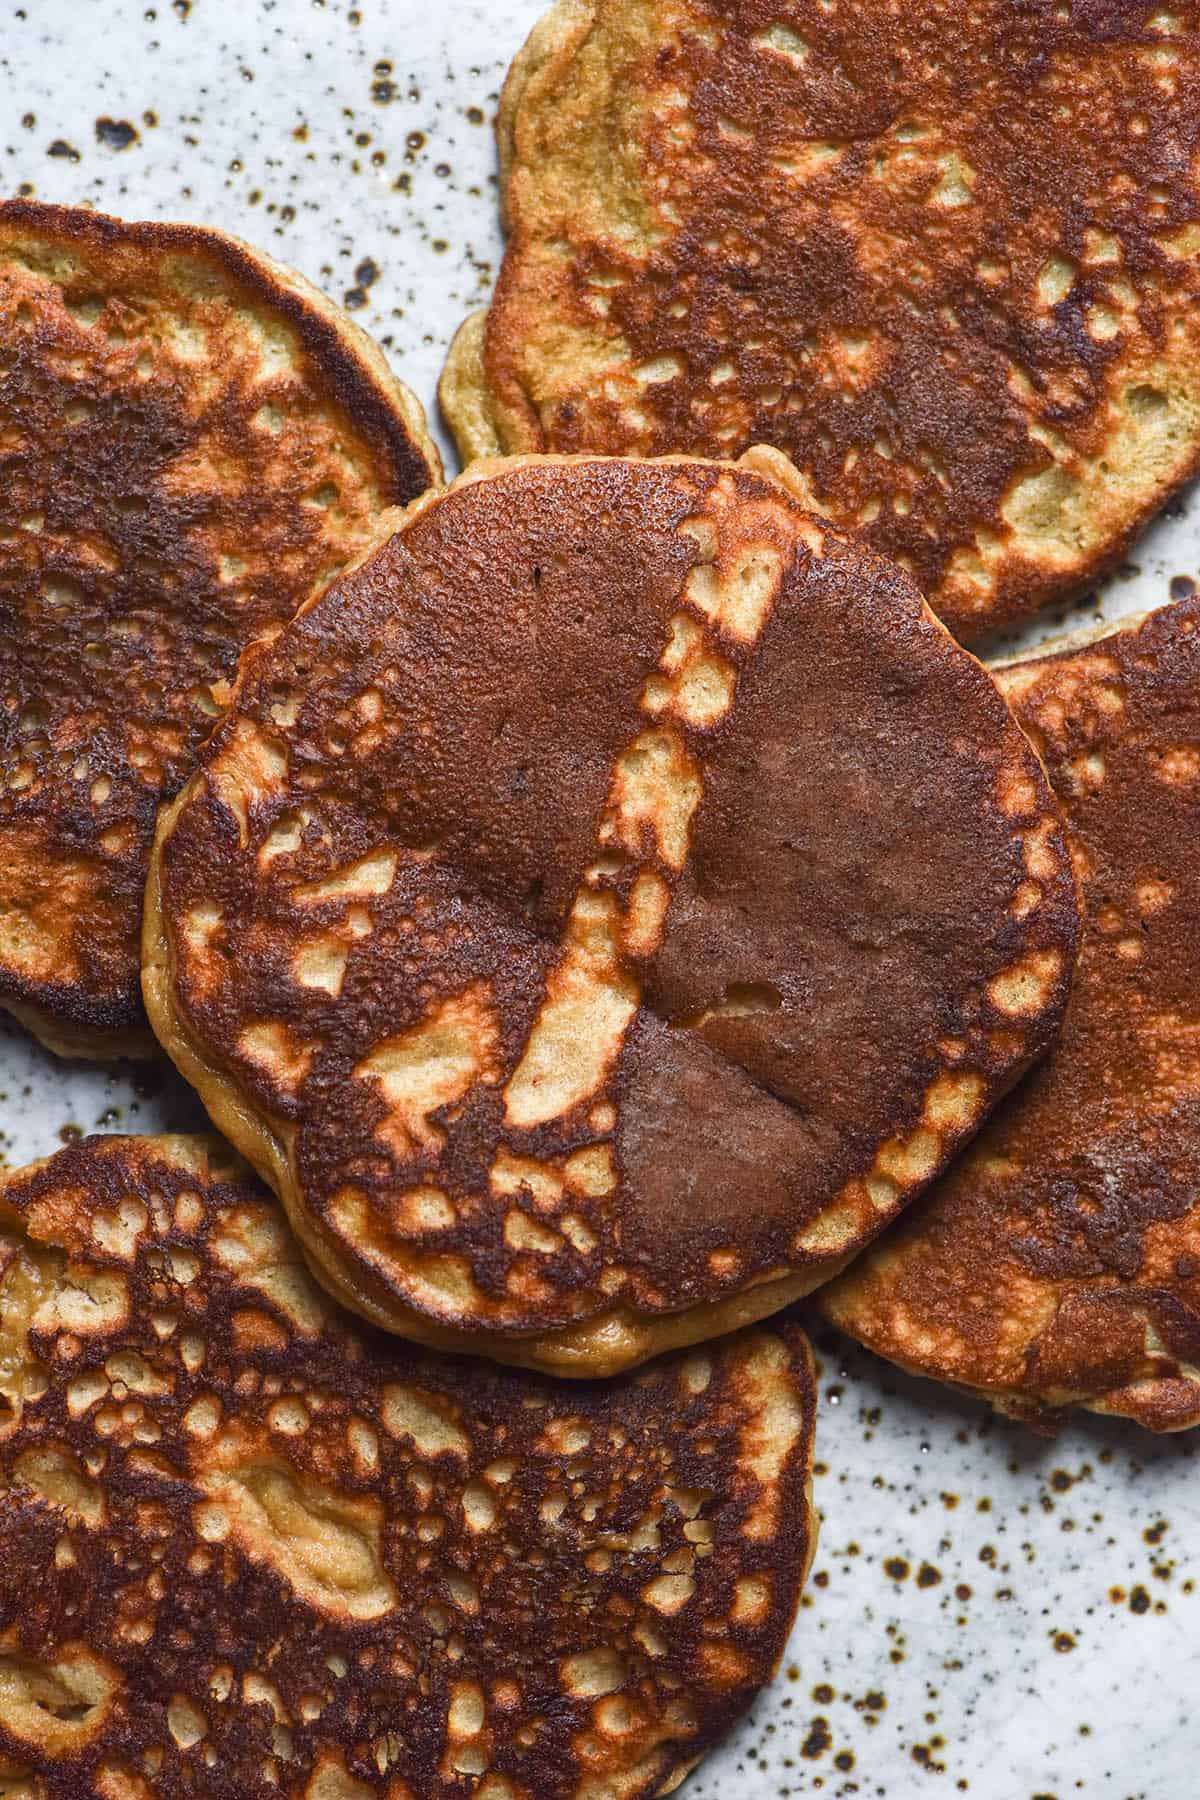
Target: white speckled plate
989 1613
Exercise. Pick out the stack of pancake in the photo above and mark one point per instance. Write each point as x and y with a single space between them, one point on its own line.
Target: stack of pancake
600 899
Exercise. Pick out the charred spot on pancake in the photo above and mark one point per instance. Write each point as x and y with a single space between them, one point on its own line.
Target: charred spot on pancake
1055 1264
248 1545
944 257
192 441
645 901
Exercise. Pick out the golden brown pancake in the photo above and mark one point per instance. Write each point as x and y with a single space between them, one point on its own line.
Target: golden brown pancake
946 256
191 440
248 1548
603 909
1058 1263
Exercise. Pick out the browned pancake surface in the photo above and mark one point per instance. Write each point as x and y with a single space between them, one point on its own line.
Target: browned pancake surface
609 904
190 440
1059 1261
944 254
247 1549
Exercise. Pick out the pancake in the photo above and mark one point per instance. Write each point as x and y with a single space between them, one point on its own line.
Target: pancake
602 910
945 256
191 438
250 1549
1058 1263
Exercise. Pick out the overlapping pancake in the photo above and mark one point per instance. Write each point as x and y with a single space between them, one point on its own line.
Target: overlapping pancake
946 255
249 1549
605 908
1058 1263
191 440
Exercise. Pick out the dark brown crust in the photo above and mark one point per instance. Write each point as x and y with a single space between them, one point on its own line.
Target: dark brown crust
810 1040
1037 1268
164 1446
351 366
768 217
137 490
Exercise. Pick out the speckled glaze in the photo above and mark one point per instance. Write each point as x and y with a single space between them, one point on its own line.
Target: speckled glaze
989 1613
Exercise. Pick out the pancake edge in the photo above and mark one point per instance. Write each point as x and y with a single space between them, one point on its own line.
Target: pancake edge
79 1042
1143 1402
467 400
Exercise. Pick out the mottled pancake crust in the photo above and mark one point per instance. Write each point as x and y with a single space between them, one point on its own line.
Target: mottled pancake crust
1058 1263
603 909
191 441
248 1549
945 254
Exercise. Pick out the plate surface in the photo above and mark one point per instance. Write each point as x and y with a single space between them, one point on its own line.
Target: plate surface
989 1613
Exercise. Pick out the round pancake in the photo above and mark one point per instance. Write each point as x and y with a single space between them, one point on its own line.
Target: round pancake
604 908
1058 1263
191 440
946 256
250 1549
